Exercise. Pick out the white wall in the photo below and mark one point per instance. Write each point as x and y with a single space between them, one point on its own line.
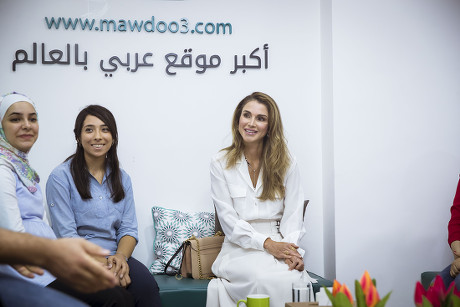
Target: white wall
368 92
396 76
170 126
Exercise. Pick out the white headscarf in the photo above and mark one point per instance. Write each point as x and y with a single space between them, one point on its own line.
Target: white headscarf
7 100
13 156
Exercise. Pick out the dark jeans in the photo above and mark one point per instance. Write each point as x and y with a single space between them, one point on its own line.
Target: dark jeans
142 292
114 297
15 292
143 287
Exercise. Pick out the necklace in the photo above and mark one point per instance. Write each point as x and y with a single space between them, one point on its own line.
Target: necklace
253 173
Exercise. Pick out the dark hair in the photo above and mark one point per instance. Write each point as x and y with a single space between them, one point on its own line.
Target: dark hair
78 167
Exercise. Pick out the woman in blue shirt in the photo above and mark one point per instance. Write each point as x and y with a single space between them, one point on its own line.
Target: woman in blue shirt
21 206
89 196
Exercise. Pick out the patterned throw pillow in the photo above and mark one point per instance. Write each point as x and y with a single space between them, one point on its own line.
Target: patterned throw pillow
172 227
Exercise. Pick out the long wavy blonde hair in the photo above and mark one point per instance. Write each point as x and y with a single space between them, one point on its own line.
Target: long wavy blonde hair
275 156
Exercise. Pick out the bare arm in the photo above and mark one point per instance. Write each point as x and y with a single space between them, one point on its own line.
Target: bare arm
120 266
70 260
455 247
455 266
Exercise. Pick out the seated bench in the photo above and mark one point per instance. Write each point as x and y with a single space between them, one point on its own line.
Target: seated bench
192 292
427 277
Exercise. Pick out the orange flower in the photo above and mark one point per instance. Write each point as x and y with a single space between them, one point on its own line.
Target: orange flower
372 297
335 287
344 289
338 288
366 294
370 291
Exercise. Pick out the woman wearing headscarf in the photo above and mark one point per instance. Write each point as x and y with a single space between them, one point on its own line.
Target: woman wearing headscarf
21 199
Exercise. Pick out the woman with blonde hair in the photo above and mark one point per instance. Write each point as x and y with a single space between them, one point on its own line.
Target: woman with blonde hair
256 188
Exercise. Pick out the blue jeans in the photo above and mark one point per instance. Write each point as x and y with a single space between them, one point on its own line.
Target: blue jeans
445 275
15 292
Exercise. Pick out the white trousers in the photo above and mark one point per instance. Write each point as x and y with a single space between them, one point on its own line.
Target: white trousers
243 271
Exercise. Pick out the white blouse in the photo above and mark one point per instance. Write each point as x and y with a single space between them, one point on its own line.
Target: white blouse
237 202
10 216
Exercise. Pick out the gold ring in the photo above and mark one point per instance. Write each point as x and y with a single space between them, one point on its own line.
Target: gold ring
286 252
292 247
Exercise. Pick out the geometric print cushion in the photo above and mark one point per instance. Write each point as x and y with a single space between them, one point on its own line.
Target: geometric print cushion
172 227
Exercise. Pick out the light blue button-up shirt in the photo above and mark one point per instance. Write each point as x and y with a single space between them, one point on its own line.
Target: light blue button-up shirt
30 213
99 220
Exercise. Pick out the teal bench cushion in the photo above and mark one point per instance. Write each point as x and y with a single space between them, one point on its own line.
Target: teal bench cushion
427 278
192 293
185 292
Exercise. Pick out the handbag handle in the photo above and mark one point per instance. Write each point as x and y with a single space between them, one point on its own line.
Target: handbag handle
168 264
200 270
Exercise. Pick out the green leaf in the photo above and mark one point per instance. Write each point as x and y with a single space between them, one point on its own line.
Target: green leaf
341 300
383 301
329 294
451 300
447 300
374 282
455 300
426 302
360 299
